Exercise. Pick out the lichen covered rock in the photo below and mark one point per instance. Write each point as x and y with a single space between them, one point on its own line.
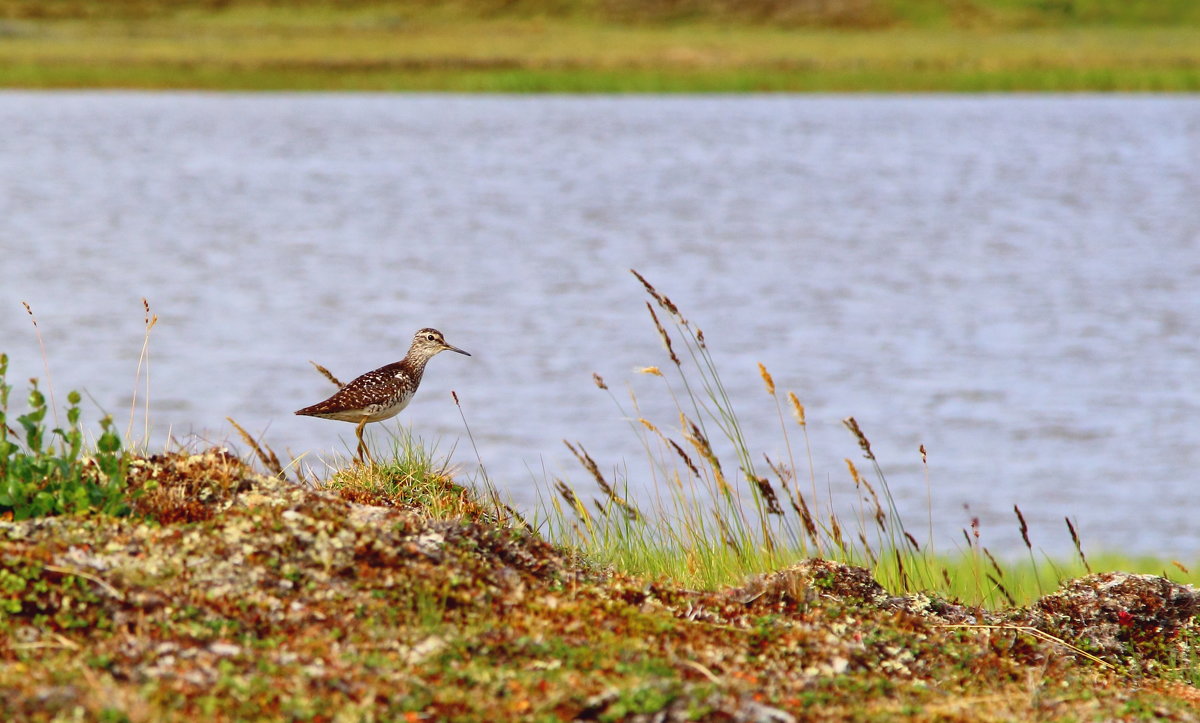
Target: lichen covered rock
1114 613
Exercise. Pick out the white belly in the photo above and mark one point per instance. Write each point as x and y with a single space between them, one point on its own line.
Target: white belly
371 412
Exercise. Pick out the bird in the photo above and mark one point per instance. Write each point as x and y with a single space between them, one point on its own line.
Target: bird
381 394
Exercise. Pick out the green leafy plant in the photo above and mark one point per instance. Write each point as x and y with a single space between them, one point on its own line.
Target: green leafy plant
51 472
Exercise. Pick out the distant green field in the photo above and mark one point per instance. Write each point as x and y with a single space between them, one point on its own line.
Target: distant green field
604 45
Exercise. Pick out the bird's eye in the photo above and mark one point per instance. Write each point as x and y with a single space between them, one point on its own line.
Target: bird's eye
429 337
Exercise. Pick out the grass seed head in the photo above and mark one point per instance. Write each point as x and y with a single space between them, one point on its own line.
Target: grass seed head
663 333
327 374
797 408
763 485
852 424
1024 527
858 480
590 465
767 380
1078 546
661 299
835 531
912 541
684 456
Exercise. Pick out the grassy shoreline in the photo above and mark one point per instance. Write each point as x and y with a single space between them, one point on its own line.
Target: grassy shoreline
233 596
268 48
187 585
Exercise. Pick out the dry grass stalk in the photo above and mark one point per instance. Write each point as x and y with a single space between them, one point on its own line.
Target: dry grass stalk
872 560
76 572
37 331
726 537
1029 547
590 465
327 374
684 456
794 497
1078 547
912 540
662 332
697 439
799 504
1039 634
266 456
784 474
835 532
992 560
275 467
860 481
1003 590
904 583
569 496
852 424
662 300
599 380
487 481
671 443
806 518
768 493
150 321
1024 527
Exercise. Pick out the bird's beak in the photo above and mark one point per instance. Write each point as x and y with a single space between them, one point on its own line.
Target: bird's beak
454 348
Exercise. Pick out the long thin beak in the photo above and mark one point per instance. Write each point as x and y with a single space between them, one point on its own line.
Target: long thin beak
454 348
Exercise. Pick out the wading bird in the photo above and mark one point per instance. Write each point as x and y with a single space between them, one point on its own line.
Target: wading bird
381 394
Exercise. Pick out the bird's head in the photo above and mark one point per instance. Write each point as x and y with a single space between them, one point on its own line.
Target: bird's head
428 342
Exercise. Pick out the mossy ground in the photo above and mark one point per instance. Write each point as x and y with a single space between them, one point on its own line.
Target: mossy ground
233 596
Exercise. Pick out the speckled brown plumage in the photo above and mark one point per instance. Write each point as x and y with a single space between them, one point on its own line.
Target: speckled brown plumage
382 393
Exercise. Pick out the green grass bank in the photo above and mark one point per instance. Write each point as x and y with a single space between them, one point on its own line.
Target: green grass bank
603 45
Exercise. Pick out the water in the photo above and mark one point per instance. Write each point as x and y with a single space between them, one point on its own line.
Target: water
1008 280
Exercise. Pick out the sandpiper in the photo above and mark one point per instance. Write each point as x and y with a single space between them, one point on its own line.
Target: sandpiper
382 393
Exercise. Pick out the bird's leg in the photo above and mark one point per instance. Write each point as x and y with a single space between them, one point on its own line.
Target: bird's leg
362 445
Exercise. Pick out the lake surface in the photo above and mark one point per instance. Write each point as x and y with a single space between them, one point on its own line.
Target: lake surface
1011 281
